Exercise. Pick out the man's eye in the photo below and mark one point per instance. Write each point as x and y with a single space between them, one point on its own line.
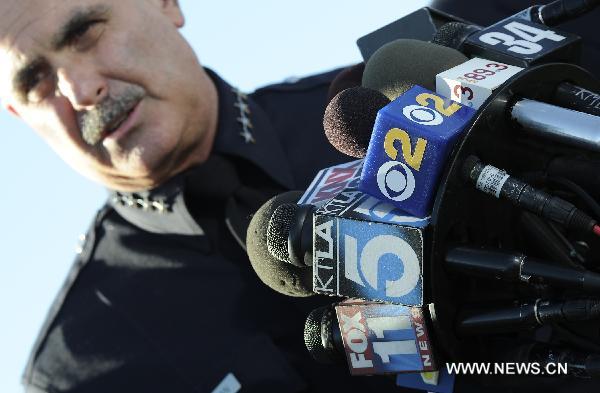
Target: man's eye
86 35
40 85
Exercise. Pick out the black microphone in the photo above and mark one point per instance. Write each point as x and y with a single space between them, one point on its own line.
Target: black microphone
520 268
560 11
347 78
322 336
526 316
556 360
577 98
516 40
374 338
349 119
499 183
454 34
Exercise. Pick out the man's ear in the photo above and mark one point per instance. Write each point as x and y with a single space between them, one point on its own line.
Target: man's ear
172 9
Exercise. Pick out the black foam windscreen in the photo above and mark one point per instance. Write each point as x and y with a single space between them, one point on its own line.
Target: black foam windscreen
453 34
318 336
278 231
347 78
349 119
399 65
283 277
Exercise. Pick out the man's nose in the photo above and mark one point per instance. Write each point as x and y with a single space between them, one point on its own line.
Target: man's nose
82 86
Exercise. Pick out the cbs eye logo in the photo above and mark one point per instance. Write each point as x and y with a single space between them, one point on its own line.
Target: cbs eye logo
423 115
395 179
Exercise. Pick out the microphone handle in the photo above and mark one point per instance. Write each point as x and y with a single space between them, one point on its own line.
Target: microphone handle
527 316
560 11
577 98
520 268
554 122
579 365
522 317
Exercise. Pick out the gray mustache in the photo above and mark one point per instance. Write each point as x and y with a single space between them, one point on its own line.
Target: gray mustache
94 122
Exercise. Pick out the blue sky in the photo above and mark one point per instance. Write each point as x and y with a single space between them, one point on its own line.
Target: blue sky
45 205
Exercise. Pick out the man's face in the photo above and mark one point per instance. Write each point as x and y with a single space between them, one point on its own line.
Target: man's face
110 84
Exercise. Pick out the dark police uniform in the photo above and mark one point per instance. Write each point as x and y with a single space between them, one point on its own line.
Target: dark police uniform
163 298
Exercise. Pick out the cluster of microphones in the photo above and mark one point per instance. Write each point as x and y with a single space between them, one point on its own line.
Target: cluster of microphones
466 230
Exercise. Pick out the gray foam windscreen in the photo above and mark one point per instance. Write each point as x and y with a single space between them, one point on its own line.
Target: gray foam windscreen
283 277
401 64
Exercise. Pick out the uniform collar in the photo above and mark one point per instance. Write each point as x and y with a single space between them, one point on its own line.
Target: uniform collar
244 130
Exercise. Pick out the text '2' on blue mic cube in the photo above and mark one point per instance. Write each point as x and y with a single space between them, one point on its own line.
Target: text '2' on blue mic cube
411 141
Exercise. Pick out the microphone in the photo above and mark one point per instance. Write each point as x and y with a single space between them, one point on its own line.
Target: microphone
577 98
412 138
526 316
282 277
347 78
521 40
349 119
374 338
520 268
350 257
560 124
523 43
579 365
322 336
499 183
560 11
454 34
399 65
289 234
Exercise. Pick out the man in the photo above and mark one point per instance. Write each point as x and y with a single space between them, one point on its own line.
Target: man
162 297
